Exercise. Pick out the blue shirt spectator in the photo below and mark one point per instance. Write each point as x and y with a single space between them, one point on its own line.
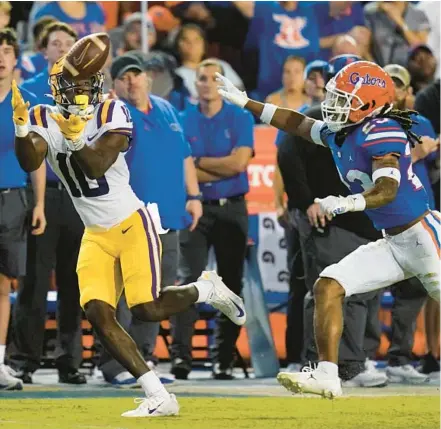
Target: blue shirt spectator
277 33
156 161
92 21
31 64
11 174
39 86
231 128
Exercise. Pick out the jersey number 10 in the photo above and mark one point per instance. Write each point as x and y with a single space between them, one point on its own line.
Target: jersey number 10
85 190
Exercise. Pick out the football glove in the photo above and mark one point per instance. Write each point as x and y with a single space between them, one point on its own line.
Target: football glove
338 205
230 92
20 113
72 129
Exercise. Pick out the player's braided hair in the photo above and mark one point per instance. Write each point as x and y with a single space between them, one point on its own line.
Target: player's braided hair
403 117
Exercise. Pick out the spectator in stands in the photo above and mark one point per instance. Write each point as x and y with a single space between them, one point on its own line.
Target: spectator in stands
292 94
432 10
422 67
34 62
59 247
278 30
395 26
85 17
336 18
55 41
161 172
345 45
5 14
129 37
221 138
324 242
362 37
190 47
427 103
13 202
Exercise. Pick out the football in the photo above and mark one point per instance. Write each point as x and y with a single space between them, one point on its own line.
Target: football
87 56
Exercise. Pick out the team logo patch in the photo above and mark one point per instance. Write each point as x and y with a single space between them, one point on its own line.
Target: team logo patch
355 77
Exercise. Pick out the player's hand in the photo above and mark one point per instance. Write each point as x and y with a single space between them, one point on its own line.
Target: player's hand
230 92
20 108
317 218
333 206
38 220
72 128
194 207
282 216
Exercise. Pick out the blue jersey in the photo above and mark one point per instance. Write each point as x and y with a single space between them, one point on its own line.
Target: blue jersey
277 34
31 64
353 159
92 22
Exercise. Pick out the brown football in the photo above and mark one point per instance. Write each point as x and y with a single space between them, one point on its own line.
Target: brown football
87 56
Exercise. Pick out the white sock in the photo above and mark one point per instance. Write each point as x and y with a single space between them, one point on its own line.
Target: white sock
152 384
329 368
2 353
204 288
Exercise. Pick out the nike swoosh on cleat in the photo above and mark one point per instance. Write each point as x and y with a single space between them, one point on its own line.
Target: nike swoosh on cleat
152 411
241 312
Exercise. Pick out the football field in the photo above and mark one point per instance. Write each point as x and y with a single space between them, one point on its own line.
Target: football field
392 412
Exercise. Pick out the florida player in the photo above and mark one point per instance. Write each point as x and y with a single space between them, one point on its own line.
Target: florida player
84 140
371 147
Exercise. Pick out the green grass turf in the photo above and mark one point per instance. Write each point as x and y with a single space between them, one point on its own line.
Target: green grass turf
396 412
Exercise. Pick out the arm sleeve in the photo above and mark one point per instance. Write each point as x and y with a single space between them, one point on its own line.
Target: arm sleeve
38 122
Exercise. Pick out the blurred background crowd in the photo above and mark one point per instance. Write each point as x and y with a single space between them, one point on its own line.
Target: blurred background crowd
279 52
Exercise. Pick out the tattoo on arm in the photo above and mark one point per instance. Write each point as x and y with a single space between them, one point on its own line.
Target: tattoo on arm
385 188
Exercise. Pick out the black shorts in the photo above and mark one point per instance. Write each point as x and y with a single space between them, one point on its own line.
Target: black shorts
13 232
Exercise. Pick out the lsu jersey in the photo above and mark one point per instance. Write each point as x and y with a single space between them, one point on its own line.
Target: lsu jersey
353 159
104 202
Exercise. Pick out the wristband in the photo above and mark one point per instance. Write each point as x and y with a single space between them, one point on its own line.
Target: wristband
358 202
197 197
268 113
21 130
75 146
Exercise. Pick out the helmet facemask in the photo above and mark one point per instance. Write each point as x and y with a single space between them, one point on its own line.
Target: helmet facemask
78 98
338 106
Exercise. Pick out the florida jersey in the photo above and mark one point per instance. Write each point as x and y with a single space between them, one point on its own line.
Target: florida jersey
375 139
104 202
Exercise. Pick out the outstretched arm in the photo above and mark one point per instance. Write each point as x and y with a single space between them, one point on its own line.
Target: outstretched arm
284 119
30 150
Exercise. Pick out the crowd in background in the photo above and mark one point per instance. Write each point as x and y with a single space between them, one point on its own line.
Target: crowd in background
279 52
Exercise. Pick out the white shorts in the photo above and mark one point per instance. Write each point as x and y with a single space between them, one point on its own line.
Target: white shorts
413 253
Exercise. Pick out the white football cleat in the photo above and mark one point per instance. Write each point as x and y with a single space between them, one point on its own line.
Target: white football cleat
311 381
405 374
224 299
8 381
154 406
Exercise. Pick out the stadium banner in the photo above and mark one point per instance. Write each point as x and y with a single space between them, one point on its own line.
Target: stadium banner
260 198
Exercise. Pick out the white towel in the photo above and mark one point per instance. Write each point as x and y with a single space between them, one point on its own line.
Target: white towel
154 213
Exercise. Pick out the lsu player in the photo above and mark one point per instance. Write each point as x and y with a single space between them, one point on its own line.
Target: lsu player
371 147
84 140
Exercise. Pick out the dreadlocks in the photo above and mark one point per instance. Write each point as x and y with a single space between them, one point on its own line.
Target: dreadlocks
403 117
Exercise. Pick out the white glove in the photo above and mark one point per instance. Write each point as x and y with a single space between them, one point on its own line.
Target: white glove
230 92
338 205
